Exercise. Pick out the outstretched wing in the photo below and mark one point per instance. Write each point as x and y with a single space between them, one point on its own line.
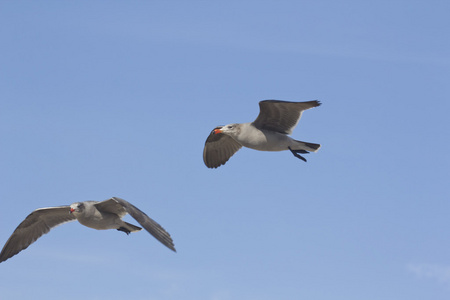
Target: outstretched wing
219 147
150 225
111 206
36 224
281 116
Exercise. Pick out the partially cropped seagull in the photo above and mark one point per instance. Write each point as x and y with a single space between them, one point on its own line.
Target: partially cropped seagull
102 215
269 132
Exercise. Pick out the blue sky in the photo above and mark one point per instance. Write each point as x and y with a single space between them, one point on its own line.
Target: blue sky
113 98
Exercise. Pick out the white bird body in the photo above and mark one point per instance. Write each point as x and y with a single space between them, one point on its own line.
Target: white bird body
263 140
101 220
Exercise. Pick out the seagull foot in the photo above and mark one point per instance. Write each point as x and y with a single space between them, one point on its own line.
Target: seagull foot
296 153
124 230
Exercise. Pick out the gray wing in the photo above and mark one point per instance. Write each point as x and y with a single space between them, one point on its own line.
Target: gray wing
219 147
37 223
150 225
281 116
111 206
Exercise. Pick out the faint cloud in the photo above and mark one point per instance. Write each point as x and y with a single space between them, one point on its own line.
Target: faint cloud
73 257
221 295
81 258
437 272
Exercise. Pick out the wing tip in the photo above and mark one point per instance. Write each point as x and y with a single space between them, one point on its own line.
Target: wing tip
213 166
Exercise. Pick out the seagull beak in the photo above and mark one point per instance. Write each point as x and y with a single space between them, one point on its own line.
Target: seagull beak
216 131
71 210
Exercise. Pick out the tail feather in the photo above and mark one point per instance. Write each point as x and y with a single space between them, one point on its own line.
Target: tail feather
312 147
132 228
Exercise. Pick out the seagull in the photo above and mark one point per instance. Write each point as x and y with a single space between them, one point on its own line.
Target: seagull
269 132
99 215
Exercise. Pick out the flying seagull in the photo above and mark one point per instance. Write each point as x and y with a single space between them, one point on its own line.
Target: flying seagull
102 215
269 132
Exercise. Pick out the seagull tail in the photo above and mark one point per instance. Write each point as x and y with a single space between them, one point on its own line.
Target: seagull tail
132 228
299 145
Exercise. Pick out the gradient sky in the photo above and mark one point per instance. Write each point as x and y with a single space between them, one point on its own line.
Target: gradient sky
116 98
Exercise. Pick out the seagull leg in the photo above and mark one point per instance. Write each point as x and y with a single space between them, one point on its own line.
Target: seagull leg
124 230
296 153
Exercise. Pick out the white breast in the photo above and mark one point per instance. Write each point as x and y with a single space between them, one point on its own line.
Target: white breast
262 140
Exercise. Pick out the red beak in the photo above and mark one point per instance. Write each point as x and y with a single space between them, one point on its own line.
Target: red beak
216 131
71 210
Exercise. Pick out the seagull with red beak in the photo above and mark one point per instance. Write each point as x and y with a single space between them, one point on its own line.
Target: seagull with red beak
102 215
269 132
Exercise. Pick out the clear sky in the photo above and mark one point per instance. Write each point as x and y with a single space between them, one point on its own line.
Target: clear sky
116 98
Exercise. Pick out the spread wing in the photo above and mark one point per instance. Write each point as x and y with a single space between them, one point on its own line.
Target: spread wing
281 116
37 223
111 206
150 225
219 147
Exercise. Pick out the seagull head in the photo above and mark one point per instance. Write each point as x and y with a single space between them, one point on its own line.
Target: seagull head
230 129
76 207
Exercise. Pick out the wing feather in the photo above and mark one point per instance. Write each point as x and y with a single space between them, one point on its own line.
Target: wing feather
150 225
36 224
219 147
111 206
281 116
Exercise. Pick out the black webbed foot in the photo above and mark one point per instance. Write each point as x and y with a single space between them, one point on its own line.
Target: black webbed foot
296 153
124 230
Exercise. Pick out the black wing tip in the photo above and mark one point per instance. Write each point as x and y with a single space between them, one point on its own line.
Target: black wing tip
165 239
2 259
211 166
9 253
316 102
